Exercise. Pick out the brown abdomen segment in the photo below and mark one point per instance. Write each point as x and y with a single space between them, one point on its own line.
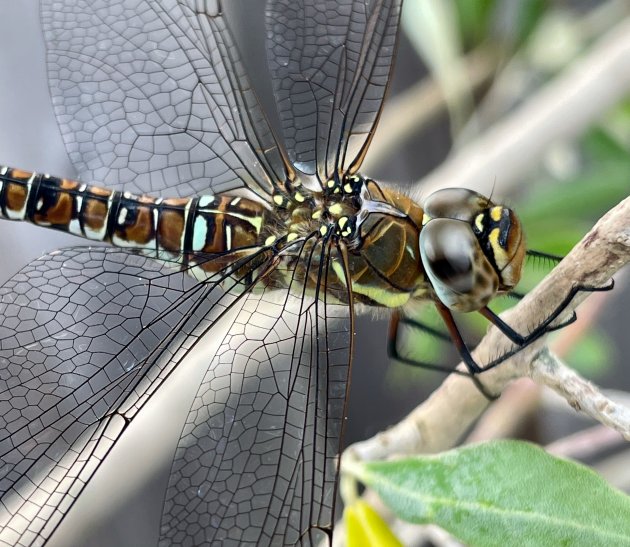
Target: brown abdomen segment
203 225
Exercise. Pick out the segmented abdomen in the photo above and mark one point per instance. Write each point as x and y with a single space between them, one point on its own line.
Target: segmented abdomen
183 227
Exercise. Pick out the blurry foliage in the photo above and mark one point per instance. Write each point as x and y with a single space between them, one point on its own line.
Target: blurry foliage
592 354
557 213
475 19
510 23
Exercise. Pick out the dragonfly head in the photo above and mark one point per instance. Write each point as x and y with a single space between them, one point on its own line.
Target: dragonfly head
471 248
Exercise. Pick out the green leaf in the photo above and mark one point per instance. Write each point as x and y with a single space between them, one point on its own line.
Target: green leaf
365 527
503 493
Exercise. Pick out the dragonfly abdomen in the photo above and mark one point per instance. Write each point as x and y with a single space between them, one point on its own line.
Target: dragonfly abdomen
180 226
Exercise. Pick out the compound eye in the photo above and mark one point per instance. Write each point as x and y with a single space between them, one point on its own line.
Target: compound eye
445 249
460 274
455 203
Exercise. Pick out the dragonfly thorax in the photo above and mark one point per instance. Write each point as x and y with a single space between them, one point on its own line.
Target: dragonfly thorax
383 244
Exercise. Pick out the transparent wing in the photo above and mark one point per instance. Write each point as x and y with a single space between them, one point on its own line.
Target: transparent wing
257 461
330 62
86 337
152 96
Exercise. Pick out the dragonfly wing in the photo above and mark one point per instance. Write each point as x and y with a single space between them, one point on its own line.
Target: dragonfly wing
330 63
257 462
151 96
87 336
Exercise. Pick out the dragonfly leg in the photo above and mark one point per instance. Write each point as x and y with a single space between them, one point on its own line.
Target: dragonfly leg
392 344
546 325
463 350
432 331
473 368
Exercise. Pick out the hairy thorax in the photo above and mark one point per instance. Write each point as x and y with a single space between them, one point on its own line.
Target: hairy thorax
378 227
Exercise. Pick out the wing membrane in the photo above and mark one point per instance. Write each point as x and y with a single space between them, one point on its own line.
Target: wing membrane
257 461
152 96
86 337
330 62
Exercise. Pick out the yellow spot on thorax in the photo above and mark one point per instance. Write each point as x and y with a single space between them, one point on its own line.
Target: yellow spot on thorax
336 209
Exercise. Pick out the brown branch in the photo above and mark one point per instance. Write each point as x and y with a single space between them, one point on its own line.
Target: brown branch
522 399
582 395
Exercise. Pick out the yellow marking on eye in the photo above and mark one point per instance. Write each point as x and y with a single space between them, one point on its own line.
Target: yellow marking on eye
495 213
335 209
479 222
270 240
323 230
342 222
292 237
425 219
330 183
277 199
337 191
317 214
500 256
299 197
347 188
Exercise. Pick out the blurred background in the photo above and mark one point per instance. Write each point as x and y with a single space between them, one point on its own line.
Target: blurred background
528 100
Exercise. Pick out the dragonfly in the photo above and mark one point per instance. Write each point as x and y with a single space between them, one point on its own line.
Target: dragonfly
210 218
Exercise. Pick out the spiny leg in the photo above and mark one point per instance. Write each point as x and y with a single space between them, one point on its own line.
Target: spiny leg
473 368
518 338
392 344
392 350
555 259
544 328
463 350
